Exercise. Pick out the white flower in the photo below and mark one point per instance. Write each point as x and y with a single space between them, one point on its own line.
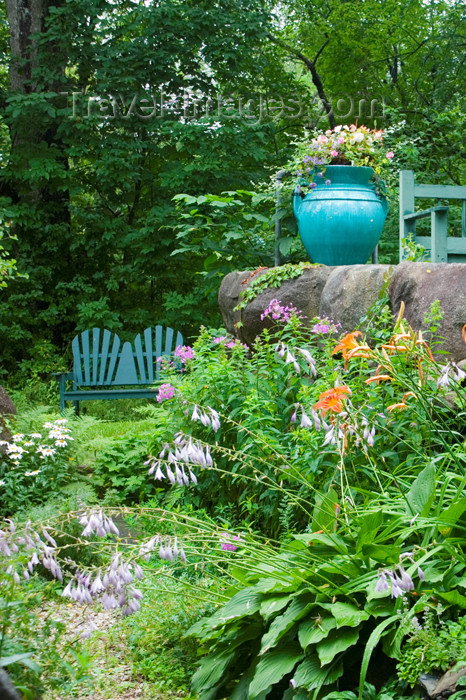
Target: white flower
49 425
15 449
61 421
61 442
17 437
32 473
2 483
35 436
48 451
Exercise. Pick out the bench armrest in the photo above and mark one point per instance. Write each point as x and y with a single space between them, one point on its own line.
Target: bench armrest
65 375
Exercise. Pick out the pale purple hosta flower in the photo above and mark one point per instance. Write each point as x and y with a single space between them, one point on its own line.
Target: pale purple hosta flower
309 359
294 417
281 350
305 421
88 630
405 581
420 573
397 591
226 544
290 358
97 522
179 458
147 548
213 419
450 374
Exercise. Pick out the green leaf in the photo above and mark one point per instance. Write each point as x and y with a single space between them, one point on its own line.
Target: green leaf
212 670
324 517
281 624
273 666
347 615
274 604
421 494
335 643
453 597
370 525
449 517
370 646
310 675
312 631
23 659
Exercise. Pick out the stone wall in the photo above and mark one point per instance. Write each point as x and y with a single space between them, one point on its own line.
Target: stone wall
345 293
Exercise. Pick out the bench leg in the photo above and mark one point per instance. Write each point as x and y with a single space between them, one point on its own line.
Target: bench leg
76 408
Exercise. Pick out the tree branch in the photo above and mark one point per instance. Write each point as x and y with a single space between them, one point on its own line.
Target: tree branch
316 78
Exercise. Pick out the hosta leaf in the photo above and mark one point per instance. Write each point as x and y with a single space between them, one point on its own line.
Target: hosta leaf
312 631
281 624
370 525
211 671
347 615
244 603
273 605
331 540
272 667
421 494
336 642
311 675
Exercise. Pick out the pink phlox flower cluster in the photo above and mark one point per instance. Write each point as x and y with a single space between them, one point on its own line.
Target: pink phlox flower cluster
114 587
212 418
400 580
450 374
98 523
278 312
180 456
219 339
284 351
184 353
324 326
226 544
166 391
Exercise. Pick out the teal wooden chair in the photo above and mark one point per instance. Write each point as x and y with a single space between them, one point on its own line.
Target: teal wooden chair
106 368
443 248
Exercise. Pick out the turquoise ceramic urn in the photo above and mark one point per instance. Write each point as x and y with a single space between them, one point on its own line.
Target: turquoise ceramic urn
341 220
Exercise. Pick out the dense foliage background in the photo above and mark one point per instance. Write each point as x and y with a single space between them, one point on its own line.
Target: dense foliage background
110 109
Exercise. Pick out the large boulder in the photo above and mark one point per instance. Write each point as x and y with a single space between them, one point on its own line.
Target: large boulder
418 285
350 291
7 408
303 292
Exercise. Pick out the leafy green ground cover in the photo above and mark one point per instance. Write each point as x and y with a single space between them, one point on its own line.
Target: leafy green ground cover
300 533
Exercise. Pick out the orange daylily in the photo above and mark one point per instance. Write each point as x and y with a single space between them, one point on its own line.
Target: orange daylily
347 343
401 406
331 400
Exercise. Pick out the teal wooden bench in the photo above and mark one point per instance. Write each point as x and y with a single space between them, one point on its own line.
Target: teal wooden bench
105 368
443 248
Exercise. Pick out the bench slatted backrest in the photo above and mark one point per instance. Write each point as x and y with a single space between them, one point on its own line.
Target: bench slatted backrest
99 361
150 346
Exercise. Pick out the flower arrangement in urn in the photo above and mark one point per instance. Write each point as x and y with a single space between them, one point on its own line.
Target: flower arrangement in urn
343 145
340 220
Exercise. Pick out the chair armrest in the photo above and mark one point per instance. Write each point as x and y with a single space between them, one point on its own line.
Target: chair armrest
64 375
